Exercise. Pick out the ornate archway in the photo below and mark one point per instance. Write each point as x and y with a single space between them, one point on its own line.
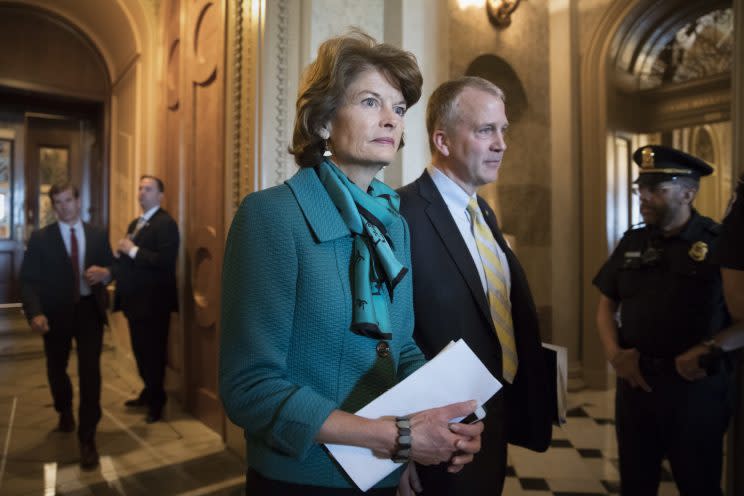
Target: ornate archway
628 33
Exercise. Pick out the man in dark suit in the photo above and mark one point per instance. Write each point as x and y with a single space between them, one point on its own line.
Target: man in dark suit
63 278
146 291
468 284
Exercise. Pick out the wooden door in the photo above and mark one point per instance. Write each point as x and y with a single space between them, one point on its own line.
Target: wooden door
172 164
204 59
53 154
36 151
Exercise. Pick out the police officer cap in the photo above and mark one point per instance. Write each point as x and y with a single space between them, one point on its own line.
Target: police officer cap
660 163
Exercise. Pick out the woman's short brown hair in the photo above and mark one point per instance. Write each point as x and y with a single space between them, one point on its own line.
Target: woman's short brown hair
324 83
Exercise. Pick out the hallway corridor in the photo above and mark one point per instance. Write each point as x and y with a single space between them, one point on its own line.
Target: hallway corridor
179 456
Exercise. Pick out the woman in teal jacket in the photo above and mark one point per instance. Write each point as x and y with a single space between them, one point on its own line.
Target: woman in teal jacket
317 316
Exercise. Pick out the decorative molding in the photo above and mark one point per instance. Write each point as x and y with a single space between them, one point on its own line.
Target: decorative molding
251 125
242 123
683 105
281 141
236 188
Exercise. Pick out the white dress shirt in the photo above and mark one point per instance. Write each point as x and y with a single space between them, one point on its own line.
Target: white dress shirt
64 229
457 200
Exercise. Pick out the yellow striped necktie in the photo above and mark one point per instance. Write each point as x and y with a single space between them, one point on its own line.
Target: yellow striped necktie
498 296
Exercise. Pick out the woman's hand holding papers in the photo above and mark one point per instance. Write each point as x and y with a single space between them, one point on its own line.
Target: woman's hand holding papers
435 440
467 447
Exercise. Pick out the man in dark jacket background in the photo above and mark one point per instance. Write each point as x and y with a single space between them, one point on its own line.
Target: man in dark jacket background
63 276
146 291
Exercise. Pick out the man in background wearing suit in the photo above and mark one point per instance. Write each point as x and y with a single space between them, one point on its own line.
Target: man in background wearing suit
468 284
63 277
146 291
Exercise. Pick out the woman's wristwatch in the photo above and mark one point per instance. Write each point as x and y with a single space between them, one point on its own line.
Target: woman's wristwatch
403 443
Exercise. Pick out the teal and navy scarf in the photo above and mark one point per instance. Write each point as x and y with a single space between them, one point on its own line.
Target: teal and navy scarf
373 262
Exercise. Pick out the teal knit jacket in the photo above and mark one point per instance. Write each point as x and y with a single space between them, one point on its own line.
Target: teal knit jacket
287 356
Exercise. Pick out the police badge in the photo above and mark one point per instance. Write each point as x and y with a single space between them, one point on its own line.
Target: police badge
698 251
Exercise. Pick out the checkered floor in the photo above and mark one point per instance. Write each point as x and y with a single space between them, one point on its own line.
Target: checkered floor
582 459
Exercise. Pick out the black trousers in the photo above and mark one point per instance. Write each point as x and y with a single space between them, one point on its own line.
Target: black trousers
684 421
486 473
85 326
150 345
256 484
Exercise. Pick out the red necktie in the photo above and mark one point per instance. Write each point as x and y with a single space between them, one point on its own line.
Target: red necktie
75 264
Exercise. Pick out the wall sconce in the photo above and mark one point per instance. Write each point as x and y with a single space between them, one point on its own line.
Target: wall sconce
500 11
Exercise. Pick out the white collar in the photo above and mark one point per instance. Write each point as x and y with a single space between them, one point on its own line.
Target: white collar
78 225
148 215
452 193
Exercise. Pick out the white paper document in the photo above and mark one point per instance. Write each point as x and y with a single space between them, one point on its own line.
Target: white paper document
454 375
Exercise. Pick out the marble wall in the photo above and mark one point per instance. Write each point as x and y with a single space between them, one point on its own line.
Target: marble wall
522 194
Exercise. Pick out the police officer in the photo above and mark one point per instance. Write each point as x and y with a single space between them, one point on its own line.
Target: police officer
731 258
669 295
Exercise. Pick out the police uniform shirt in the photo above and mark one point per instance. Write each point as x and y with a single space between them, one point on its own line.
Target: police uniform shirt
669 289
731 253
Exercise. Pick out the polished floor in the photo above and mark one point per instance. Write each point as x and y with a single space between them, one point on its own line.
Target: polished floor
180 456
582 459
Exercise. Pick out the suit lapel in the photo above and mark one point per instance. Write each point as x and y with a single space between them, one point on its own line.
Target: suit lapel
131 227
149 221
444 224
86 262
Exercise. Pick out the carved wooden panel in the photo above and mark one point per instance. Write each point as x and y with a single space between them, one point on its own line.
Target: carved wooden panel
172 165
173 74
206 247
207 41
205 145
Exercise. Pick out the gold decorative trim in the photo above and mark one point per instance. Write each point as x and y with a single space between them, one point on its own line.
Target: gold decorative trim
250 127
280 109
243 45
237 100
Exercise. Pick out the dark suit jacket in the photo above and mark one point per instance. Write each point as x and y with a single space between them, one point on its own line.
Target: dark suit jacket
449 303
47 277
147 284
